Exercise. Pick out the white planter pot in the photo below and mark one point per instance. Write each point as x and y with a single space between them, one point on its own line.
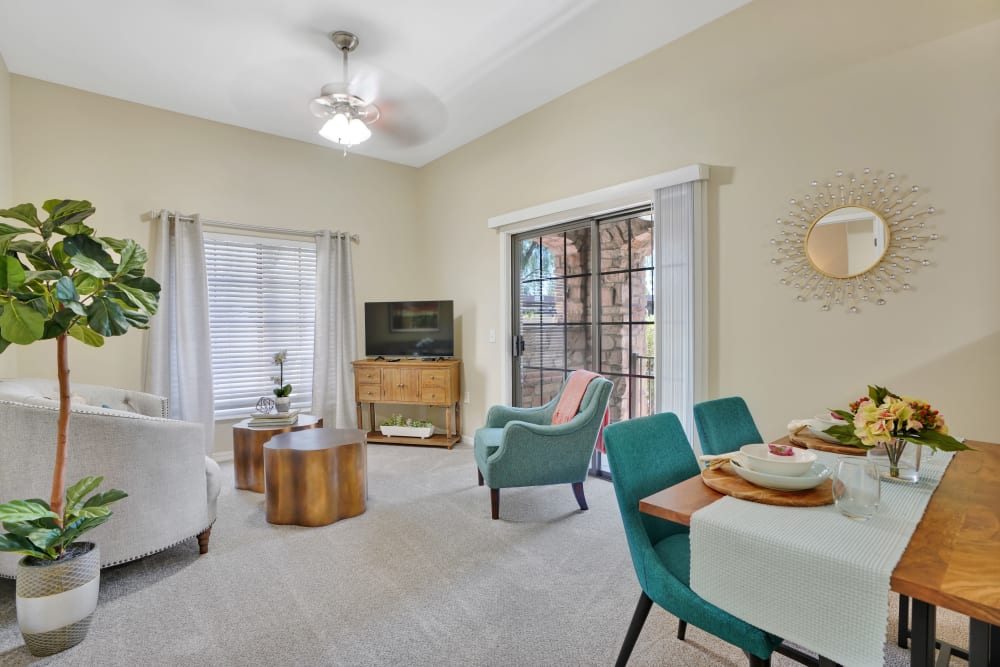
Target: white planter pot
408 431
56 599
283 403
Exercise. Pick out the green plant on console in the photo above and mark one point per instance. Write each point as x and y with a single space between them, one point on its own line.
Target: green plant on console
58 279
398 420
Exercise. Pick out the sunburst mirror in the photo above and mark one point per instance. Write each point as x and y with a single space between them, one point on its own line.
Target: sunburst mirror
853 240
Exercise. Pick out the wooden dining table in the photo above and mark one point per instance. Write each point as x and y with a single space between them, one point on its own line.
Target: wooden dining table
952 560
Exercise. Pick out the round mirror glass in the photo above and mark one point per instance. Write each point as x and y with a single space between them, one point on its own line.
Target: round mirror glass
847 241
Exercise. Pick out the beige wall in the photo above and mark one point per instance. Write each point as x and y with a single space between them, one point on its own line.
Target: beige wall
759 95
8 360
128 159
768 97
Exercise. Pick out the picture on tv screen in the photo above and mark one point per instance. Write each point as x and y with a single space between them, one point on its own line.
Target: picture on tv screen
410 329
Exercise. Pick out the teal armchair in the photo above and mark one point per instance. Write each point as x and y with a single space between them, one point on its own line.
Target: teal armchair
645 455
521 447
724 425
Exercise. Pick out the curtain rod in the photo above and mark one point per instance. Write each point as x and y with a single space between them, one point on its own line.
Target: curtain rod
253 228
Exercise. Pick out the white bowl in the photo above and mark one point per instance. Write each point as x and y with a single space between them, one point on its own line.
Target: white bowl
812 478
758 457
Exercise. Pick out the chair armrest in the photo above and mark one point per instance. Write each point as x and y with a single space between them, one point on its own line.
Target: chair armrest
521 438
500 415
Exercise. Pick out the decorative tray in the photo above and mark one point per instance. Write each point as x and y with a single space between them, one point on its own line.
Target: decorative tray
803 439
725 481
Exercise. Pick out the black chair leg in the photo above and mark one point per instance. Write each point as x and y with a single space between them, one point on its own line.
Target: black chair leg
580 498
903 629
635 627
758 662
682 627
495 502
480 473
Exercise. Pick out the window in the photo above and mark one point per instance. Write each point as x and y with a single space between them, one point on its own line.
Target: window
261 300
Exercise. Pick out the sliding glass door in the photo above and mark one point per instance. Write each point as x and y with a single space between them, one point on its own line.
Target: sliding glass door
584 298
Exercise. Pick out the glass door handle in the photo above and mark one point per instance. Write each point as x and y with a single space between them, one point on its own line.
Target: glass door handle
517 345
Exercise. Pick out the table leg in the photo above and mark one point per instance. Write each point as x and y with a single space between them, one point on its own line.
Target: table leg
371 415
458 419
923 626
361 424
984 644
447 422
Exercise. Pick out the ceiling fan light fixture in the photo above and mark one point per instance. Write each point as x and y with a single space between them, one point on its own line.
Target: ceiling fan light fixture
345 128
348 115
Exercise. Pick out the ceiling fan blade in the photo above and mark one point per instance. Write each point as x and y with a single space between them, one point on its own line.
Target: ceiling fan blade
410 113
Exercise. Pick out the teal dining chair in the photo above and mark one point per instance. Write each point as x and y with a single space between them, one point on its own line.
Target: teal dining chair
521 446
724 425
646 455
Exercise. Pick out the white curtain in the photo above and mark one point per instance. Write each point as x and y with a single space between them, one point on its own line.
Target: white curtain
335 346
681 331
178 352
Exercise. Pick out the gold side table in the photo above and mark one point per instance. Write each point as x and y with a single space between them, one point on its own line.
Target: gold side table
315 477
248 449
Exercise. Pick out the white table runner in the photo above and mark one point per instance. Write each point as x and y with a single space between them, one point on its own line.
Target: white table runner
810 574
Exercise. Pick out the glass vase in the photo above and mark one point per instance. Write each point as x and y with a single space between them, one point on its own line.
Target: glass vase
897 461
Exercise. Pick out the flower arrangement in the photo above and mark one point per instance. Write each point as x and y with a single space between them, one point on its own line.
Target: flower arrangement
282 390
887 420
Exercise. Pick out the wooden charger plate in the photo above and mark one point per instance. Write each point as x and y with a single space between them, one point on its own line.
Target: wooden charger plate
727 482
803 439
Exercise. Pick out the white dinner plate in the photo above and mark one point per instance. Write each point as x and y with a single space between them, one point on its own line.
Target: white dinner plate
810 480
825 437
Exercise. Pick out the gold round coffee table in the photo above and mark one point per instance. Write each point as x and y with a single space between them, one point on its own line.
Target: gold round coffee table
315 477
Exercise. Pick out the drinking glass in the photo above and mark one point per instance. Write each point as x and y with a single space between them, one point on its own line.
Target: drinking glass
856 489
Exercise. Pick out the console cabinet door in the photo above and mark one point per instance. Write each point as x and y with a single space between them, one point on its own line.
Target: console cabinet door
400 385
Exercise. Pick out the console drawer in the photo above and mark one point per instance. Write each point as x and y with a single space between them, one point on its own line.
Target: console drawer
434 378
368 375
369 392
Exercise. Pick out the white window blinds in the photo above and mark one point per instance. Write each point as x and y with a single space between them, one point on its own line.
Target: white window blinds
261 300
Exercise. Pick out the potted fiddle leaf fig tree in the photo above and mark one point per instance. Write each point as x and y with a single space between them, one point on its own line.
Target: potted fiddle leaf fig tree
58 279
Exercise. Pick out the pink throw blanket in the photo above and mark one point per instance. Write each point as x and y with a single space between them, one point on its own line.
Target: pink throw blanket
569 402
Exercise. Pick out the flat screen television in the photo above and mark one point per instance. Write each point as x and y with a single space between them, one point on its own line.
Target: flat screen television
410 329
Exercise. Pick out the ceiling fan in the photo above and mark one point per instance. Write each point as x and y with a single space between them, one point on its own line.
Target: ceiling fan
406 113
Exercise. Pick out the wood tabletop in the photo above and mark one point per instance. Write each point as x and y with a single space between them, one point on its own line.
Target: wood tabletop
953 559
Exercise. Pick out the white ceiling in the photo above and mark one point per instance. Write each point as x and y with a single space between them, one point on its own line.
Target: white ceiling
448 71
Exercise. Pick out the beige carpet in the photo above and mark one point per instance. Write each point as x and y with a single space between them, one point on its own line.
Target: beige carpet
424 577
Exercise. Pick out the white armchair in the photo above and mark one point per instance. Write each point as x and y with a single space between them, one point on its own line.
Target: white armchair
126 437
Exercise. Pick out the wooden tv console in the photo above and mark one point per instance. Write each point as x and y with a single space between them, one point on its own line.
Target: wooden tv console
410 382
